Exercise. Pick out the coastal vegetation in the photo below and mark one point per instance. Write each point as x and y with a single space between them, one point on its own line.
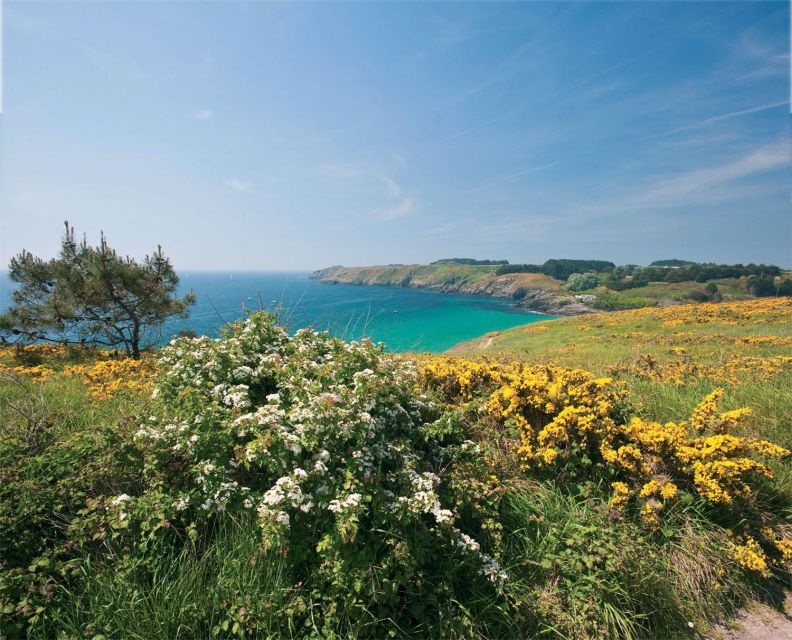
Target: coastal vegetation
574 287
622 475
469 261
667 358
91 295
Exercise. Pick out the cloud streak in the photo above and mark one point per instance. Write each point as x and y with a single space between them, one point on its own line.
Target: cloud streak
512 176
440 230
238 185
400 209
727 116
767 158
706 185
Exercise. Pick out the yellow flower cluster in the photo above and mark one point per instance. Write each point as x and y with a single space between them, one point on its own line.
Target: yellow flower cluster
682 371
562 412
763 311
534 328
749 554
698 338
105 377
36 373
621 494
47 351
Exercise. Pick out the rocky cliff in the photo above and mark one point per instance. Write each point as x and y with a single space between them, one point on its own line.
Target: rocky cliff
532 291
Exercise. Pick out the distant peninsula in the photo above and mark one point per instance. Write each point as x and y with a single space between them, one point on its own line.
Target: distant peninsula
569 287
533 291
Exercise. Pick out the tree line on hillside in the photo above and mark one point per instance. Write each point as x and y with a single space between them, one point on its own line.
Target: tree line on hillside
673 262
560 269
469 261
632 276
757 285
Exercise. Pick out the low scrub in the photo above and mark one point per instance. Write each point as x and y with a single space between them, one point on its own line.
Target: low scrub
303 486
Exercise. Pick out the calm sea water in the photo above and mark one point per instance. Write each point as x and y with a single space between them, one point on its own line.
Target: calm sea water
404 319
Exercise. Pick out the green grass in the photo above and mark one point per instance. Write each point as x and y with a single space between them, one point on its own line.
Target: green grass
660 293
577 569
171 591
602 342
590 575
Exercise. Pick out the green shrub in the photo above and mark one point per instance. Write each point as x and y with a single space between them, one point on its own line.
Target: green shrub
582 281
698 296
347 470
582 571
58 451
608 301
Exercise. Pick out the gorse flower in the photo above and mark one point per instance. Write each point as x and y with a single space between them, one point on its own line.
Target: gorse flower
568 416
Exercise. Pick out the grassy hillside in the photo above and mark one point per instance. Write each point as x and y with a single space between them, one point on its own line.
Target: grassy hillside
436 276
663 293
535 291
669 356
278 486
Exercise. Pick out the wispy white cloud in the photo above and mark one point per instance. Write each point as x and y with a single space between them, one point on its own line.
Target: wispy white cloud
401 206
397 205
441 229
335 170
400 209
705 185
393 189
673 191
727 116
760 58
203 114
512 176
238 185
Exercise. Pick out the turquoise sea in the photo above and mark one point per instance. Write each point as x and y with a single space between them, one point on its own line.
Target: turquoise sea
404 319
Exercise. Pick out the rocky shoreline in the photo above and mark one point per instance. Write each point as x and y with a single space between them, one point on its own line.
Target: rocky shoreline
513 286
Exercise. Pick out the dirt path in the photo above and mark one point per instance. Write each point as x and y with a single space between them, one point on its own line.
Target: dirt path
758 622
486 344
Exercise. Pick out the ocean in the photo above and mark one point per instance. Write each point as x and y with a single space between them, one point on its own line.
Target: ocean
403 319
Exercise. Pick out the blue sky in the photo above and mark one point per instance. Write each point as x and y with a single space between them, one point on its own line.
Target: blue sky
273 136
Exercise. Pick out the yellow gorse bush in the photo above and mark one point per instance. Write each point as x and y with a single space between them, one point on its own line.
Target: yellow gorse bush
9 364
749 554
762 311
685 369
50 351
568 415
105 377
36 373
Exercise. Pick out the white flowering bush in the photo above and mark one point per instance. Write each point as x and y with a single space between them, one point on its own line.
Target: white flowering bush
348 470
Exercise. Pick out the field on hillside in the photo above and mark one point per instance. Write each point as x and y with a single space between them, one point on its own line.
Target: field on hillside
611 476
668 357
729 288
667 293
458 276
